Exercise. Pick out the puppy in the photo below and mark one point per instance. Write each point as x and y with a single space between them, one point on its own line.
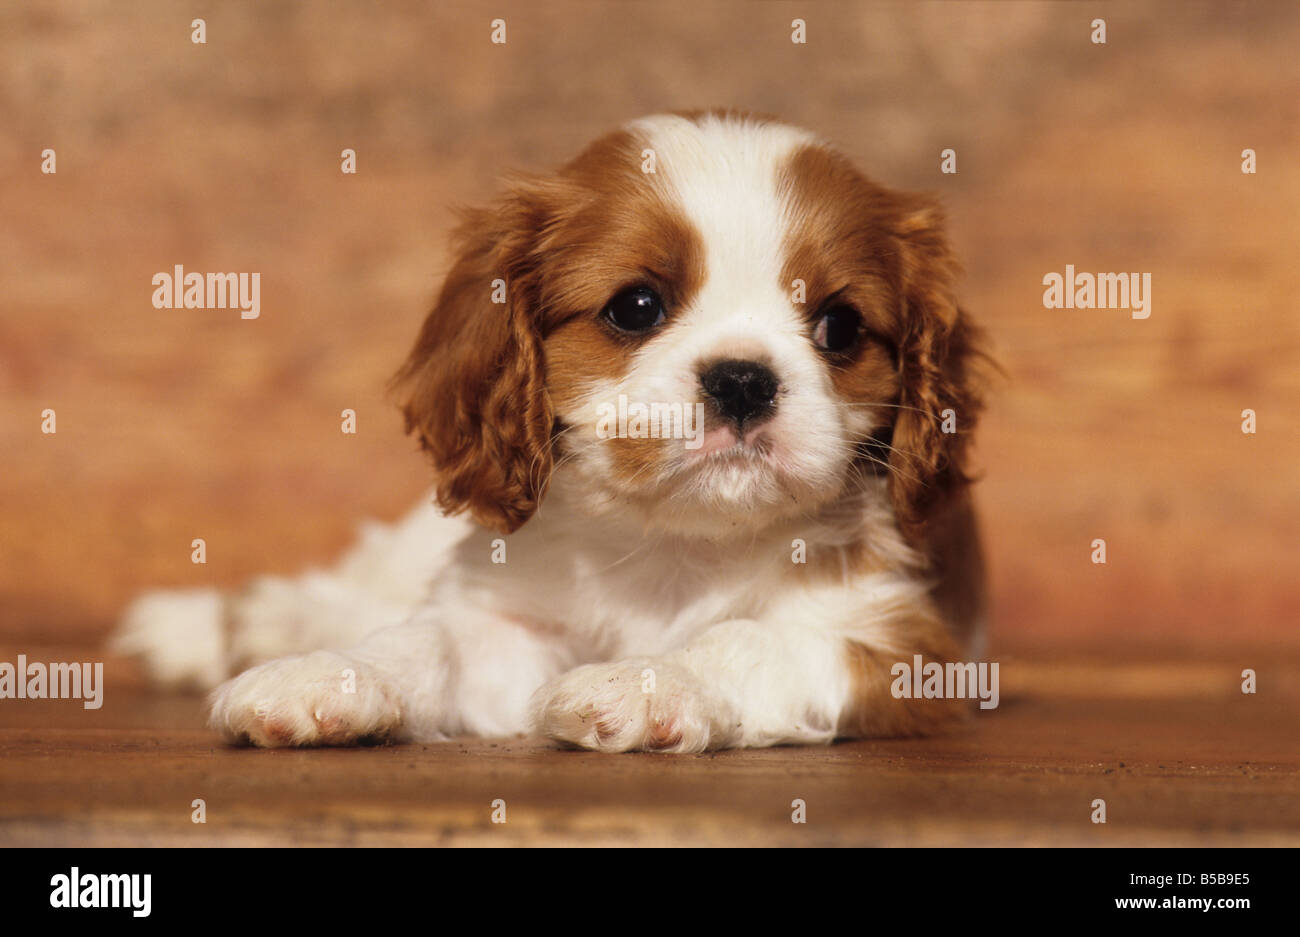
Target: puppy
707 393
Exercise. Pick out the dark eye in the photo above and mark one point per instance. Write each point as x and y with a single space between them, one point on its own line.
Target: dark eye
838 329
637 309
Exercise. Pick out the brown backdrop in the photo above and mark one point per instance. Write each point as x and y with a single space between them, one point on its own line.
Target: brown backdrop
175 424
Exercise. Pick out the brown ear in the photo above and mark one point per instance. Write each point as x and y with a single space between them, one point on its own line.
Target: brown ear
938 354
474 386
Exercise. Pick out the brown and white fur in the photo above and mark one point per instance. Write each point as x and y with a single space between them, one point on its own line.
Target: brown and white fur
650 598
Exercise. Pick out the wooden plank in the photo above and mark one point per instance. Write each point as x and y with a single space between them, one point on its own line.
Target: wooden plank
1177 752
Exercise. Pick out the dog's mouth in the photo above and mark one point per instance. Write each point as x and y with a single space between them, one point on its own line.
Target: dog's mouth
729 442
728 457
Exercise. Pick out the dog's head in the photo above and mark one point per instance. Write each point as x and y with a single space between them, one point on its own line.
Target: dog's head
710 266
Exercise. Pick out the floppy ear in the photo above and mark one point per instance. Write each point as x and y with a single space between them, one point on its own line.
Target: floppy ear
474 386
939 354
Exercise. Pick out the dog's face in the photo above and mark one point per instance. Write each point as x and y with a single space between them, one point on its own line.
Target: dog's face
714 322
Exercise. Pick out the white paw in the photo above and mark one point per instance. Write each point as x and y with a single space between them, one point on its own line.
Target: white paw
321 698
646 705
177 635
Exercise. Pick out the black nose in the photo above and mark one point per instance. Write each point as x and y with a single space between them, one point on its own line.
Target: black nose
742 390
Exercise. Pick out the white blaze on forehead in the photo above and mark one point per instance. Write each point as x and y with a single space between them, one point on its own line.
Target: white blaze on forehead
723 173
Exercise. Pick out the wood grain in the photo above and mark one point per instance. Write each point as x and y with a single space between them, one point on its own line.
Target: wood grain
1178 753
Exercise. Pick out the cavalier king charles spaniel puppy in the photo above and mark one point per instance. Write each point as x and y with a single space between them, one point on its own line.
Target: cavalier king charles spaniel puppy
698 406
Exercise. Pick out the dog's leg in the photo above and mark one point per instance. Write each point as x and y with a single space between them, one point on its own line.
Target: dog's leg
424 680
817 672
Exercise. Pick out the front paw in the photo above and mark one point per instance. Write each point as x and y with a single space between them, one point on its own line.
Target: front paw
632 705
317 699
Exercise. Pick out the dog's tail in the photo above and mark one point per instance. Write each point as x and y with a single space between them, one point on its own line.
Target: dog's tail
193 639
178 635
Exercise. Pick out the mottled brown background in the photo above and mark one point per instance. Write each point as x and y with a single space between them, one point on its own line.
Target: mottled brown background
175 424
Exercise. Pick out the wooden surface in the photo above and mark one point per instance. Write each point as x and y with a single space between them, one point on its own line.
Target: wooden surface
1180 756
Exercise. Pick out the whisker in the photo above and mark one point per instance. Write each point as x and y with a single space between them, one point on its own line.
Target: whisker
892 406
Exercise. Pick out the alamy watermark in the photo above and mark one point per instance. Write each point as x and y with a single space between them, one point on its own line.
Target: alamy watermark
951 680
1098 291
86 890
35 680
181 290
635 420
